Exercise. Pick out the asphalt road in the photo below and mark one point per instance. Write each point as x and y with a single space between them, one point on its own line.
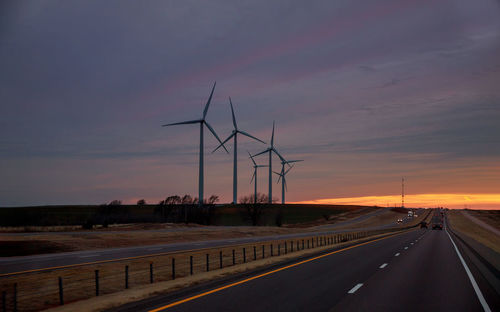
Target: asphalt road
415 271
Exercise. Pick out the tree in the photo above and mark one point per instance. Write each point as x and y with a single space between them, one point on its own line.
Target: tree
253 211
115 202
213 199
186 199
141 202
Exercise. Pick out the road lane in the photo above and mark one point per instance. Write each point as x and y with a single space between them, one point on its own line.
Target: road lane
428 277
313 286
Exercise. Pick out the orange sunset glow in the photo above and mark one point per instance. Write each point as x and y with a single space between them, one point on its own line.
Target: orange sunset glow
453 201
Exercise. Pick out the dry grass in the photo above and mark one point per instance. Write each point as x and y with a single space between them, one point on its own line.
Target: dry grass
462 224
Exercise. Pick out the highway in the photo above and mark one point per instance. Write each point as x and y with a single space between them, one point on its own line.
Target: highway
26 263
415 271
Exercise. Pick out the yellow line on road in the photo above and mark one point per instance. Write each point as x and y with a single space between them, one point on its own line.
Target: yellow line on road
265 274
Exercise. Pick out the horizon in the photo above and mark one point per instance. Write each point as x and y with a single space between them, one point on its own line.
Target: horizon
365 94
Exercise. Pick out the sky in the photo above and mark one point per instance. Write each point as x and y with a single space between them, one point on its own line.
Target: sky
364 92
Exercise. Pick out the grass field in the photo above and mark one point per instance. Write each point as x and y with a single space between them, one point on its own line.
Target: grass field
462 224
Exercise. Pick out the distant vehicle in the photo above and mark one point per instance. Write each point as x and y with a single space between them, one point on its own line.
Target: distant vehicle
423 225
400 220
437 226
410 213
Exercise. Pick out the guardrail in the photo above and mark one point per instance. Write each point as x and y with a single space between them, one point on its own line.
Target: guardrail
51 287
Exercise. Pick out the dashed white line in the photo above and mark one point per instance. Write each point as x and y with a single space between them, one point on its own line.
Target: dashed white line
411 243
396 255
406 247
355 288
382 266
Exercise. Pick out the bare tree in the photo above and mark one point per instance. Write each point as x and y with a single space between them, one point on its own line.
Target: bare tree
186 199
213 199
141 202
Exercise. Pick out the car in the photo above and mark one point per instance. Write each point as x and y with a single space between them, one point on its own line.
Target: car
400 220
437 226
423 225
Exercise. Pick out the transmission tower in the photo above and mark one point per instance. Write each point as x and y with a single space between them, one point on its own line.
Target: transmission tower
402 192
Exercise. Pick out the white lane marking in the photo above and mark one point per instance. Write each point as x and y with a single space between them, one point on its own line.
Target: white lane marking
411 243
382 266
355 288
406 247
396 255
471 278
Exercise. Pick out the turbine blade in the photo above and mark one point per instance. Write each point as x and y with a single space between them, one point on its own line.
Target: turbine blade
208 102
232 112
288 170
251 157
183 123
279 155
215 134
263 152
253 176
222 144
293 161
259 166
272 137
250 136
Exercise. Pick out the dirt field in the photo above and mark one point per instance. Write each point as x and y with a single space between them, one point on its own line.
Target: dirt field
462 224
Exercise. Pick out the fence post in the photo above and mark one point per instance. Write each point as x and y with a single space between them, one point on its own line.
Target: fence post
151 272
279 250
4 304
191 265
271 249
244 255
126 277
307 244
208 264
234 261
286 247
61 295
302 244
220 259
173 268
15 297
263 251
97 282
254 253
291 246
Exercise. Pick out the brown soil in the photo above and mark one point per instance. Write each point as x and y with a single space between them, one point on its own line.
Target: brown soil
491 217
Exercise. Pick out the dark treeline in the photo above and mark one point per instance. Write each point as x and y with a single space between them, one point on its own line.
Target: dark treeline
173 209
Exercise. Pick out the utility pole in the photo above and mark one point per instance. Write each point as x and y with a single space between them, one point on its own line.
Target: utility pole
402 192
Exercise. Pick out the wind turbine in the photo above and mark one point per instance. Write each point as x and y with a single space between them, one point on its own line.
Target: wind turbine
254 176
282 175
202 122
270 150
234 135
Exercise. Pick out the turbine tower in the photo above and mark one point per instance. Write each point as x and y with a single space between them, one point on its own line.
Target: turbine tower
254 176
270 150
202 123
234 135
282 175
